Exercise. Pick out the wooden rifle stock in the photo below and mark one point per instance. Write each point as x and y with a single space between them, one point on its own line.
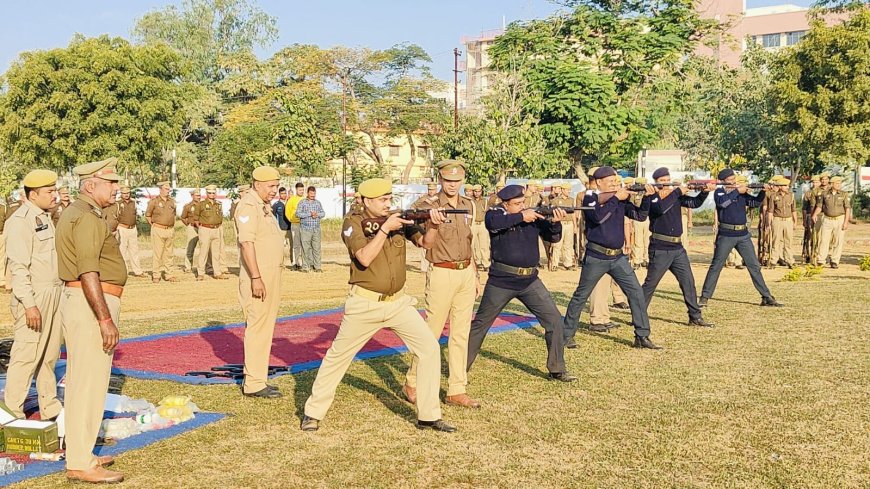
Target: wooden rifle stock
373 225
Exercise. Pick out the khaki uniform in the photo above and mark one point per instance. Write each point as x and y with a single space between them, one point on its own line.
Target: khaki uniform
563 251
33 264
2 244
640 236
450 292
534 200
84 244
783 208
480 234
579 227
423 202
162 214
127 233
493 201
377 301
57 211
189 214
211 236
6 278
815 200
256 224
834 206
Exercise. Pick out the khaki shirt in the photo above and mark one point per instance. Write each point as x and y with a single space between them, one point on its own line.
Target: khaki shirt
10 209
233 207
424 202
189 213
562 201
781 205
533 200
356 208
834 204
480 208
386 273
2 216
122 213
57 211
32 258
84 244
816 195
493 201
256 224
161 211
210 213
454 237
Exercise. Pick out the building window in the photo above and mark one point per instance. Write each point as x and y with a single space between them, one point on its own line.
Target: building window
770 40
394 150
794 37
422 151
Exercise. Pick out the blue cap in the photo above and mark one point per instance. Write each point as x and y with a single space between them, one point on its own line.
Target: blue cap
604 172
660 172
727 172
510 192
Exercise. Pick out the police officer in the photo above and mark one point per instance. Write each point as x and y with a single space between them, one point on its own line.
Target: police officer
124 212
376 301
733 233
161 216
514 275
425 201
35 297
493 199
666 251
640 234
563 250
782 213
833 209
189 216
605 254
91 266
808 206
13 203
478 229
2 243
211 235
261 252
63 202
452 283
822 189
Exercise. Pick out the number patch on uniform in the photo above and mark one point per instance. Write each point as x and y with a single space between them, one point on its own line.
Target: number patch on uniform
371 228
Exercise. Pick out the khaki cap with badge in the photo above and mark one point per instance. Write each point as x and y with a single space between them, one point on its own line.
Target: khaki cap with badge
104 170
265 174
375 187
451 170
210 188
39 178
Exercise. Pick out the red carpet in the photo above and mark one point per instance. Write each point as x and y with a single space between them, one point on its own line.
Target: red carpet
300 342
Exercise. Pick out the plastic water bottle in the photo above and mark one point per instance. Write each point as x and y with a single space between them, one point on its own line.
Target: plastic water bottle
47 457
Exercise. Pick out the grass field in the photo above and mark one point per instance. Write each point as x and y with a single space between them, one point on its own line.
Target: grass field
768 398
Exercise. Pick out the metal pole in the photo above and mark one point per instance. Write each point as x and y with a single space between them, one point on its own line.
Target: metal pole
344 155
456 53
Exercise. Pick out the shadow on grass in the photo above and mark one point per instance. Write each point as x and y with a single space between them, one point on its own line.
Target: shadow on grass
513 363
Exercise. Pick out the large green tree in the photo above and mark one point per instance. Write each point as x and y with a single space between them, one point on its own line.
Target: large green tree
97 98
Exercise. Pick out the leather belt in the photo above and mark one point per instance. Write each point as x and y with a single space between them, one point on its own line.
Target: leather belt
111 289
604 251
666 238
209 226
126 226
733 227
834 217
374 296
453 265
479 222
161 226
521 271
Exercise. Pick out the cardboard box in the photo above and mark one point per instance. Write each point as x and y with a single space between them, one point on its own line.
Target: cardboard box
26 436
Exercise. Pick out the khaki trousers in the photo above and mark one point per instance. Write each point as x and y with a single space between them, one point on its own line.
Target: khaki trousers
288 247
424 263
599 300
783 234
190 247
640 241
87 375
831 238
35 353
260 316
685 235
817 236
563 251
3 279
211 249
161 243
450 295
480 244
129 239
362 319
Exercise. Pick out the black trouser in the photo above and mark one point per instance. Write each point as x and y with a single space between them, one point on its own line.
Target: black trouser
677 261
724 245
539 301
621 271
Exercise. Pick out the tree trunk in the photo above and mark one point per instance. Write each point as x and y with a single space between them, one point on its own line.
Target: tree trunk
373 152
406 174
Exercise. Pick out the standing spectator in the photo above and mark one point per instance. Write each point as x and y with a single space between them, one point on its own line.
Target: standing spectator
295 225
310 212
278 209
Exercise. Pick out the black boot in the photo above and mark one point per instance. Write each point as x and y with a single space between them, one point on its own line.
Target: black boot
769 302
645 342
700 322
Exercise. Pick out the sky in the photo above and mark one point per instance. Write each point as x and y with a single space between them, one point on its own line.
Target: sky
437 26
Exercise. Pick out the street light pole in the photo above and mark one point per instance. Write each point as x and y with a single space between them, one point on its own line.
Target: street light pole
456 54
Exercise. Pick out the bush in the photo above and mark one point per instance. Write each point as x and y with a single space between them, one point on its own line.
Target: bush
864 264
798 274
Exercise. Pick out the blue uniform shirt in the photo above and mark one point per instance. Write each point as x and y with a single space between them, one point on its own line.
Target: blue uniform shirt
731 209
278 210
515 243
604 224
665 216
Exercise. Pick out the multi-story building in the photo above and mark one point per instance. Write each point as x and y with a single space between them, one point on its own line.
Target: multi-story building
477 76
397 154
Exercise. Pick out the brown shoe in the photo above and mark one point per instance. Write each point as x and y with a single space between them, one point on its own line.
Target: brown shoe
462 400
171 279
200 278
221 277
95 475
105 460
410 393
155 280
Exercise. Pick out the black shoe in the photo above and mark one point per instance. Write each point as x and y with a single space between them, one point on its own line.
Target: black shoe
570 343
562 377
740 267
700 322
645 342
265 393
309 424
835 265
599 328
438 425
702 302
769 302
622 305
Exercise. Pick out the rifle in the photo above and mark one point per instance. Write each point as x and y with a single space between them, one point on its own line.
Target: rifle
700 184
547 210
373 224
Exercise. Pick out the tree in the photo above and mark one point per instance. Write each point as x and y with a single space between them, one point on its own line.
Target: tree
96 98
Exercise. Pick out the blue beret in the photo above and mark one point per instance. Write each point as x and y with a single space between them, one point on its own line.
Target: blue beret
660 172
727 172
604 172
510 192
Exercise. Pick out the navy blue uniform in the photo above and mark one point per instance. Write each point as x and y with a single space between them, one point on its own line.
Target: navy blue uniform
514 244
734 233
666 251
605 239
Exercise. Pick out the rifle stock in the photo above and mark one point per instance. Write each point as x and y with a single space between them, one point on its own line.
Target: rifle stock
373 224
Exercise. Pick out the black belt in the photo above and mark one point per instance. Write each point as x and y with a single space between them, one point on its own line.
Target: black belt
604 251
523 272
665 237
733 227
